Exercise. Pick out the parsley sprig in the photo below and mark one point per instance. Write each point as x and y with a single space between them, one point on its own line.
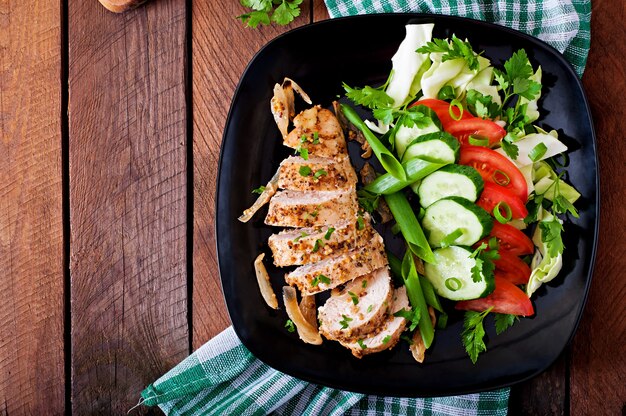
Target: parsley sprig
454 49
281 12
484 258
473 333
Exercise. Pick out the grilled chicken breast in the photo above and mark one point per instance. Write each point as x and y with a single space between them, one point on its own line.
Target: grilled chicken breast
309 245
316 174
311 209
318 131
357 309
389 332
333 271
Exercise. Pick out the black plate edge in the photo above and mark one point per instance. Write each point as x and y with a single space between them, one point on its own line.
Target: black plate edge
558 55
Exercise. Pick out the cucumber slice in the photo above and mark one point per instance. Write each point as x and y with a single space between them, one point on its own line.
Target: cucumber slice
453 213
451 276
405 135
437 146
451 180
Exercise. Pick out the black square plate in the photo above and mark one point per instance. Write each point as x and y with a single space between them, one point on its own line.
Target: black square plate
358 50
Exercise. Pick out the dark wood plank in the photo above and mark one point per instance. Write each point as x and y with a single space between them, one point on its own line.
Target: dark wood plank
31 227
598 373
320 12
222 47
128 200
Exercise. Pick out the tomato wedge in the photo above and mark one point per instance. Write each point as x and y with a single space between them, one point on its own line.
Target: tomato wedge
495 168
506 298
512 268
476 126
511 239
442 109
493 194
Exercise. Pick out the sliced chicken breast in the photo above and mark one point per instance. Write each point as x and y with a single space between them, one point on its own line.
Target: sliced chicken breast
388 334
317 130
310 245
316 174
357 309
331 272
311 209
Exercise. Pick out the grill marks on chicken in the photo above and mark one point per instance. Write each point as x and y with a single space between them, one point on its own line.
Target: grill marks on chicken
318 131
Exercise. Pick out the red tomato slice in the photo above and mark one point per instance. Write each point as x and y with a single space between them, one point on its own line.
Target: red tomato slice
493 167
512 268
442 109
494 194
476 126
511 239
506 298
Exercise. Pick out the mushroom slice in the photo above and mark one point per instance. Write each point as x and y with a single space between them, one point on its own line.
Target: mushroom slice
308 309
307 332
263 279
282 103
264 198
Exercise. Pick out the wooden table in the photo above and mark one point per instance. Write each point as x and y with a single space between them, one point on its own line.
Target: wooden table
110 133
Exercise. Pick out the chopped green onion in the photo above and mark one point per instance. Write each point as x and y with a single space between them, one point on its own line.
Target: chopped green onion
455 103
304 153
305 170
453 284
476 140
303 139
451 238
354 297
303 234
320 173
386 339
384 155
416 297
369 308
497 214
416 169
290 326
409 226
364 284
316 138
314 214
259 190
502 180
537 152
329 232
442 322
360 223
318 243
320 278
344 321
362 344
430 296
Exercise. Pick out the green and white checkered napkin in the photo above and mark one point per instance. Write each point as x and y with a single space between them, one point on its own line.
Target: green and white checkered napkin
224 378
563 24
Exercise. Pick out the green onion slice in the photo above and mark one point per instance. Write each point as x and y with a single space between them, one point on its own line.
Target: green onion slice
476 140
537 152
453 284
501 178
305 171
455 103
451 238
329 232
497 213
409 226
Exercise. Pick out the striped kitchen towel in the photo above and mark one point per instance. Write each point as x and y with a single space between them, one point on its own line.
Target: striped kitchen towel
563 24
224 378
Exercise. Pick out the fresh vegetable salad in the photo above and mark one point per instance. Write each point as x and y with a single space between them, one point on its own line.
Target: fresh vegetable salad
475 186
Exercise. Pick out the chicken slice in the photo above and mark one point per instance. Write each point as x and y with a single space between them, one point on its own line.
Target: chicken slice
359 308
317 130
316 174
311 209
388 335
298 247
331 272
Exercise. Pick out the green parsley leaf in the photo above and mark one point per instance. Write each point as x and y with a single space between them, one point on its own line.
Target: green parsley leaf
368 96
482 105
360 223
290 326
314 214
305 170
453 50
329 232
551 236
369 308
316 138
413 316
385 115
484 258
354 297
320 278
473 333
286 12
361 344
364 284
509 146
303 234
446 93
386 339
368 201
254 18
318 243
504 321
533 205
304 153
259 190
319 173
345 321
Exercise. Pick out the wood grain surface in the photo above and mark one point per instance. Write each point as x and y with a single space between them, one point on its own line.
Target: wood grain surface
598 366
31 221
222 47
127 156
